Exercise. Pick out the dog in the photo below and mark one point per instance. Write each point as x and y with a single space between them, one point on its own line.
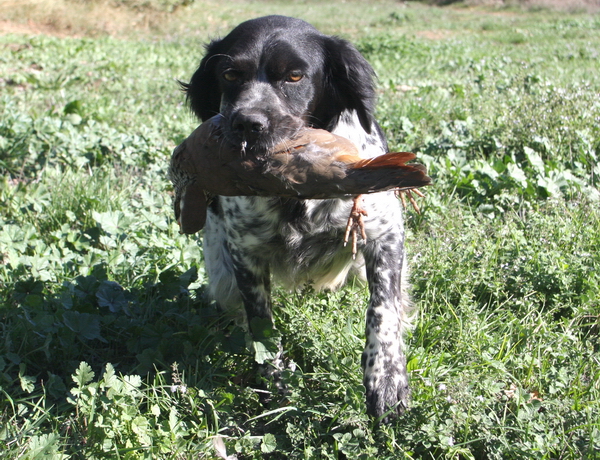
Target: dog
268 78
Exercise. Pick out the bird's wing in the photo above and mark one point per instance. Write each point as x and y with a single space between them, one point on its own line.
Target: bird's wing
192 209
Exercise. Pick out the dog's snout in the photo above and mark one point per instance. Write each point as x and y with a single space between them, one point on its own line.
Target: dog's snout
249 125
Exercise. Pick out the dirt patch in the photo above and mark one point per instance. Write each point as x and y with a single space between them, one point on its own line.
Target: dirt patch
31 28
571 6
66 18
590 6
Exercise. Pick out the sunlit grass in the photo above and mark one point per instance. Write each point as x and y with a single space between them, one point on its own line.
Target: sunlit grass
504 362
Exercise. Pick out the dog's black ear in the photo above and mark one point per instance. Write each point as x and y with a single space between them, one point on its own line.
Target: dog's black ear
349 78
203 91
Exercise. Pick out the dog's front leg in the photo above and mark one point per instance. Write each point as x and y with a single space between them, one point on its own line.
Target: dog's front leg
383 360
254 283
253 280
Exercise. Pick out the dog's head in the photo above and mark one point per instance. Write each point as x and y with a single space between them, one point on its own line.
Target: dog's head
274 74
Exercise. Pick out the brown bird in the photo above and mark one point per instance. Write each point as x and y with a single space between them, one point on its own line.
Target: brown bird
313 164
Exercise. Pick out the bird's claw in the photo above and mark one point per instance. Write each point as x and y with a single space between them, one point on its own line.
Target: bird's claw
355 223
409 193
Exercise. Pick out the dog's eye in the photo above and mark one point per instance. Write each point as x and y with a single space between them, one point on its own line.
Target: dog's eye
295 76
230 75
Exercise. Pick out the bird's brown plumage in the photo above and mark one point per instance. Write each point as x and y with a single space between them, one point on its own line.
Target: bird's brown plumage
312 164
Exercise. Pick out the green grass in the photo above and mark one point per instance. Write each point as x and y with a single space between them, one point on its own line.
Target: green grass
108 348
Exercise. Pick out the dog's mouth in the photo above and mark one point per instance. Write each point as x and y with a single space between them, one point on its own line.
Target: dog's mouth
257 133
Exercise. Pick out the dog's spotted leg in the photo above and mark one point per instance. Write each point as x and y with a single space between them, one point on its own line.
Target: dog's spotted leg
254 283
383 360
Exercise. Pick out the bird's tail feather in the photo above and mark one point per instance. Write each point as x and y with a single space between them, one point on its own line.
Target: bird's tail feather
388 160
389 171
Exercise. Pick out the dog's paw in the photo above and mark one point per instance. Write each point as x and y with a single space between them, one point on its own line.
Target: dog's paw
387 388
272 386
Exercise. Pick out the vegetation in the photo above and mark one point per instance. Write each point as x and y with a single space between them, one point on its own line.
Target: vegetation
108 348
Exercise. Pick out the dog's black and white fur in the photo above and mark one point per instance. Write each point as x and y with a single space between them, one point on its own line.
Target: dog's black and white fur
267 78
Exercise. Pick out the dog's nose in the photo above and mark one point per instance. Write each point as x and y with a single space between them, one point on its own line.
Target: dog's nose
249 125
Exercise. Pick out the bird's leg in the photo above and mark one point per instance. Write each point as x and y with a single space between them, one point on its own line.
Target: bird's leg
355 223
